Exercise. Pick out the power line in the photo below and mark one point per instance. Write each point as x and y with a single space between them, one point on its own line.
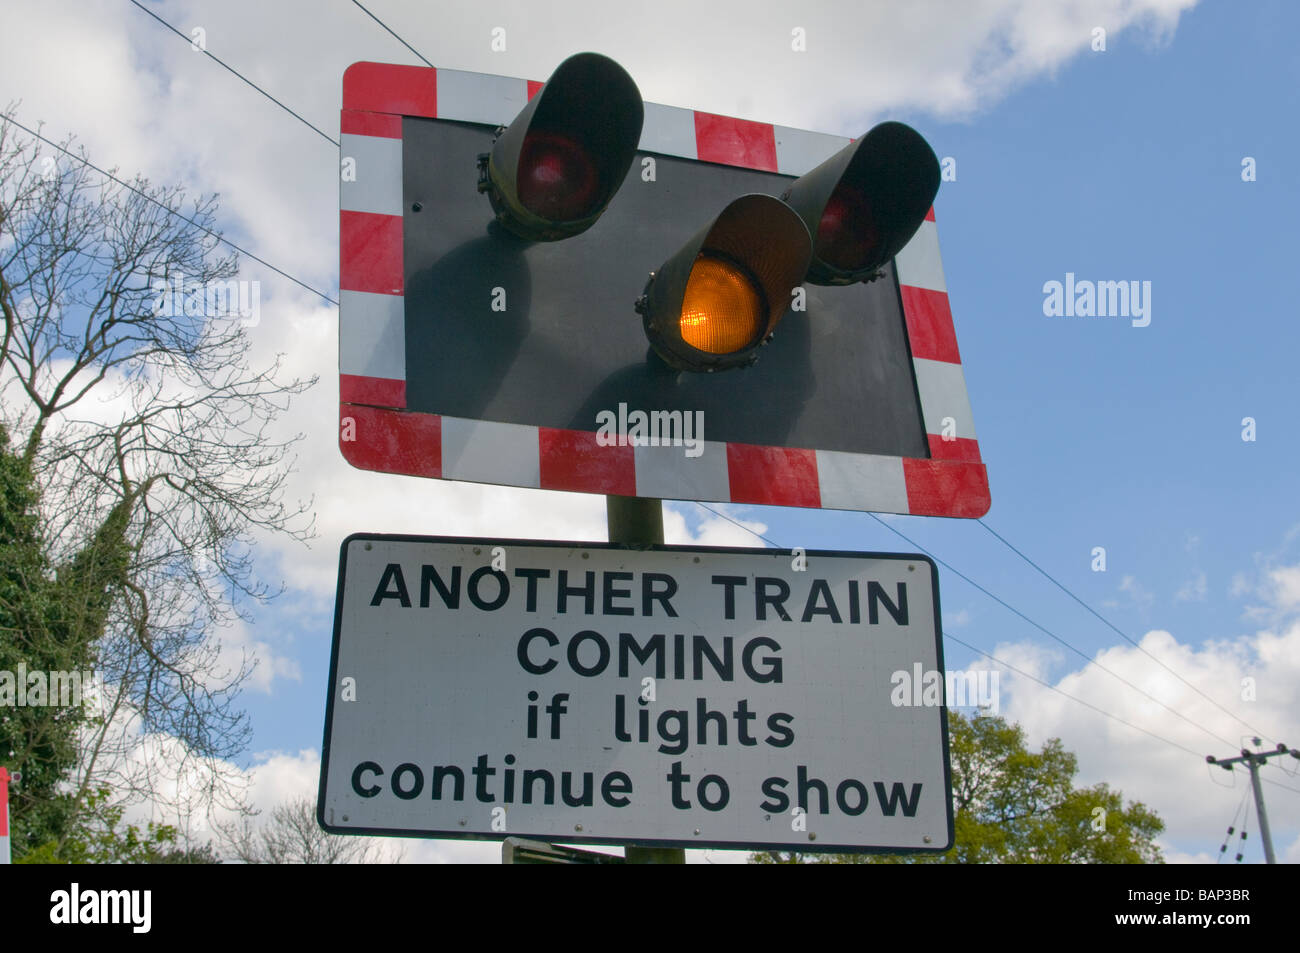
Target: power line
1109 715
1279 784
737 523
235 72
389 29
171 211
960 642
1113 627
1047 631
1034 678
997 535
1254 760
1100 711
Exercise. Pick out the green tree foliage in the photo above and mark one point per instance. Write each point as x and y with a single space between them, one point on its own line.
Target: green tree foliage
151 434
50 621
1016 806
103 840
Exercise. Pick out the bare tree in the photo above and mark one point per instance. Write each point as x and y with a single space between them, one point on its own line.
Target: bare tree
144 422
292 836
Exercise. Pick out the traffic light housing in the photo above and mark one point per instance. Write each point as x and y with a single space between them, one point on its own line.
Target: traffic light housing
714 303
864 204
554 169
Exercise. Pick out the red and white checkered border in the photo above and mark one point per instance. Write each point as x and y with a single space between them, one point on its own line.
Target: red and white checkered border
372 359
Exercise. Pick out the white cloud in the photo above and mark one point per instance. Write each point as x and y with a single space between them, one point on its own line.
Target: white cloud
1178 857
1191 797
712 530
142 100
1140 596
1031 658
236 647
1193 590
1292 853
278 776
1284 586
146 101
1277 589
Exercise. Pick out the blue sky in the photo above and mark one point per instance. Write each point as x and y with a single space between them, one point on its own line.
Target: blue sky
1125 165
1117 165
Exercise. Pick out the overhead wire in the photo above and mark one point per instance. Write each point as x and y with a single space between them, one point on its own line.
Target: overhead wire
1048 632
1002 662
710 509
391 32
1114 628
1100 711
226 66
747 529
171 211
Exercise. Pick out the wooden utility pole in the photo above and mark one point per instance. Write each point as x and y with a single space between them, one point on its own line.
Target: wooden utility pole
1253 760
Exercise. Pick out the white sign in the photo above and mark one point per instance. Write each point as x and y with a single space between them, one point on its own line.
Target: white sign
677 696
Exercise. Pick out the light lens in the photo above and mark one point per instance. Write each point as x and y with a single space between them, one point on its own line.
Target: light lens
558 180
846 236
721 309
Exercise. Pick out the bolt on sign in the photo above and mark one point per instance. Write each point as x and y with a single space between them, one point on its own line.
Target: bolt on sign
671 696
558 285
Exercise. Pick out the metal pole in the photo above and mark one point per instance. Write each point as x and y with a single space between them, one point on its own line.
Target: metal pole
639 521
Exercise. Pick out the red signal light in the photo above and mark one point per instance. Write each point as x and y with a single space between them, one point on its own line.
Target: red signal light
863 204
558 178
552 172
847 237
